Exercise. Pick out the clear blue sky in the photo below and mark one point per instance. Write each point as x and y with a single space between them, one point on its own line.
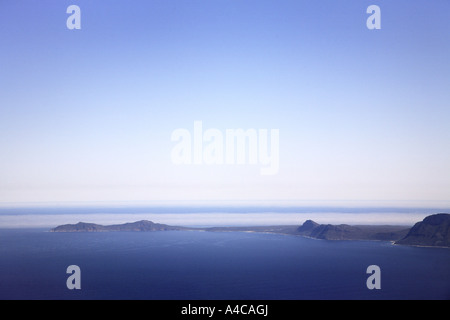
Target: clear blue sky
87 115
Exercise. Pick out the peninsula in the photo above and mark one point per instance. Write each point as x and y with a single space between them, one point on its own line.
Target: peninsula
432 231
143 225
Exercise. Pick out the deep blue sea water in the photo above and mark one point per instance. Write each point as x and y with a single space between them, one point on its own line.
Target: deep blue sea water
209 265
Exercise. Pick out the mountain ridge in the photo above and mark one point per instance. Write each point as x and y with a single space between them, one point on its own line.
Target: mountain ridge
352 232
142 225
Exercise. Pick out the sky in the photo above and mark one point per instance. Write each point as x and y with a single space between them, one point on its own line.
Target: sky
87 115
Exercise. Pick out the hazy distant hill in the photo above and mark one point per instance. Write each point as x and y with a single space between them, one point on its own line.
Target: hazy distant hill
348 232
434 230
143 225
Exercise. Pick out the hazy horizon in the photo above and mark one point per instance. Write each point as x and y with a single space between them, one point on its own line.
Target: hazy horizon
46 216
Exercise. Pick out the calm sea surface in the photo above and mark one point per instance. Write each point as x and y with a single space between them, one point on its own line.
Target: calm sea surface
209 265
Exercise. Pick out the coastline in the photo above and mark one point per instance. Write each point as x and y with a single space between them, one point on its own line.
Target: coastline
432 231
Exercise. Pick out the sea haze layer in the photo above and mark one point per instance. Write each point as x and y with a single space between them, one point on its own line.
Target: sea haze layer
19 217
214 265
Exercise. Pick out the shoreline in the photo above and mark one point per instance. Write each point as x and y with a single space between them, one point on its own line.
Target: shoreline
224 229
393 243
432 231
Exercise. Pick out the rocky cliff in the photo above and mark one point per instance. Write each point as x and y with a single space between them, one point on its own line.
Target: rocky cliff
349 232
434 230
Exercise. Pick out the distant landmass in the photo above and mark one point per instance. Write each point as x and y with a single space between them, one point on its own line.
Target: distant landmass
348 232
432 231
143 225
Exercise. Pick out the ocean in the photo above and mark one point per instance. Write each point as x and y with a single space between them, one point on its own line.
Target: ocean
195 265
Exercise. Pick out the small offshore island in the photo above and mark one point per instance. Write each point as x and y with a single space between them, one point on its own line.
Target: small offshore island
433 231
